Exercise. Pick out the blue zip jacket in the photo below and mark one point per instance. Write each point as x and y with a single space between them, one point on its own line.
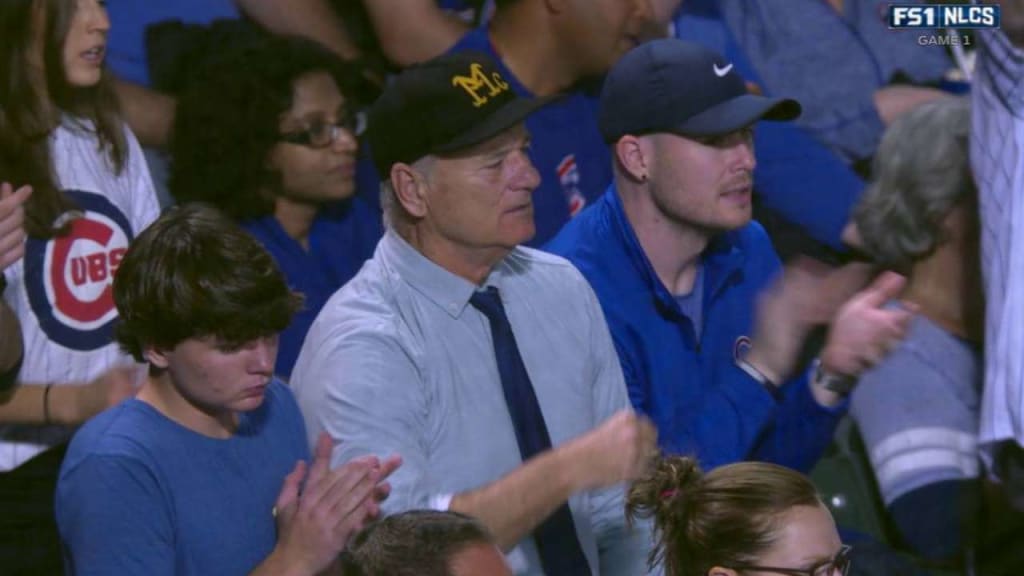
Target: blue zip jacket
701 402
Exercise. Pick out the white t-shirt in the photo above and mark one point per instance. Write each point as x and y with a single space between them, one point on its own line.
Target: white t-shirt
62 289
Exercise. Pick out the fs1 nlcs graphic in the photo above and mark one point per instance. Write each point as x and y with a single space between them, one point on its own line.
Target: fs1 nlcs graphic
949 16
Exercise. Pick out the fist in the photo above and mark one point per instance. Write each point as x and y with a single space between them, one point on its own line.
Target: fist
619 450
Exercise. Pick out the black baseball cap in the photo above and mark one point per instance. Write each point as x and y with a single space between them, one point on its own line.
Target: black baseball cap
442 106
674 86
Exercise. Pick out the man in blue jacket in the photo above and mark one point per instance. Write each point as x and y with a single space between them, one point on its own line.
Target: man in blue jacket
678 265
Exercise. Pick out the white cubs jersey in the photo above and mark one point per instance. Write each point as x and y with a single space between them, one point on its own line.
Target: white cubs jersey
62 289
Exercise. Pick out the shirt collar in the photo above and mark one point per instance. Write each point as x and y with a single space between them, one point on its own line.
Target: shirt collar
446 290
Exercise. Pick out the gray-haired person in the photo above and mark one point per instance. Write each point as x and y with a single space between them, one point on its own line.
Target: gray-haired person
918 409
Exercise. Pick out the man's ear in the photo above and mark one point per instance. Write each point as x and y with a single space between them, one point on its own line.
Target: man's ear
410 189
633 156
155 357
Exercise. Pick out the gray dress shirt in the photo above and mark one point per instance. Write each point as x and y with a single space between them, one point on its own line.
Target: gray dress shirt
398 362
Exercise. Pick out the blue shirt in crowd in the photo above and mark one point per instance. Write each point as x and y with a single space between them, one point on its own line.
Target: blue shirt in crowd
567 148
341 239
140 494
685 377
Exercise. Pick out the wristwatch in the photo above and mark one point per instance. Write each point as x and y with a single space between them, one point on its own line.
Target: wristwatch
841 384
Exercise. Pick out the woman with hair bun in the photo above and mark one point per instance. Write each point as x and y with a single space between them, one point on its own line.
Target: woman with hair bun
742 519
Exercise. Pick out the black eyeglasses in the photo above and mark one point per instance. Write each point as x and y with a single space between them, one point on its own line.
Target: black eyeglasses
840 563
322 135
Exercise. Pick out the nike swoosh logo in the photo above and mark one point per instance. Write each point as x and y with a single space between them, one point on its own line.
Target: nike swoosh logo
720 72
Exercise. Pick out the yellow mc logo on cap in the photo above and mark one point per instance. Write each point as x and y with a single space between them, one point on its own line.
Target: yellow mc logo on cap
477 81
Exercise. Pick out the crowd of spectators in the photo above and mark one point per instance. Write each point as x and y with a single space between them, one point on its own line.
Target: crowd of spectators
468 287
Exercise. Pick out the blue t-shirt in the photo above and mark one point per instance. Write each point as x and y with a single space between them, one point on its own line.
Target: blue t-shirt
129 19
567 149
341 239
140 494
691 304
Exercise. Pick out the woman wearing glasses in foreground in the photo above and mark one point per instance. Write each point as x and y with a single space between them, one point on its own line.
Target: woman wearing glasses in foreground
744 519
267 134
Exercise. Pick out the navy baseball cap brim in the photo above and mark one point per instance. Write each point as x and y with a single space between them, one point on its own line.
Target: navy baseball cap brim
738 113
512 113
679 87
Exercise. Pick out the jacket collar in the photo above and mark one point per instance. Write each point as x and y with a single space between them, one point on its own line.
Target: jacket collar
722 260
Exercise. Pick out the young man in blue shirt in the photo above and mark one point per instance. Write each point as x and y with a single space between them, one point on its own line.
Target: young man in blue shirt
200 473
678 266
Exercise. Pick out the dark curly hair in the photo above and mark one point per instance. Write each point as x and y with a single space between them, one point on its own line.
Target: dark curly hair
227 121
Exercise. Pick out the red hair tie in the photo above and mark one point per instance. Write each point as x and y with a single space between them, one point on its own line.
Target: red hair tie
669 494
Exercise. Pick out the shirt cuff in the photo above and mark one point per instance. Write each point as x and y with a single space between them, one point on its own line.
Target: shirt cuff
441 502
516 557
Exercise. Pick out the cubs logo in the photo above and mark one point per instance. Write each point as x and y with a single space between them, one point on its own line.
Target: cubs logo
69 279
569 178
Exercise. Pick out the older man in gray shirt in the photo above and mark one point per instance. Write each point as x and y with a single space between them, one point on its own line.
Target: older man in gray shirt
487 366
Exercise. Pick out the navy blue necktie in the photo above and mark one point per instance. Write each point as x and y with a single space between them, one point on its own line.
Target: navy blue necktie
559 548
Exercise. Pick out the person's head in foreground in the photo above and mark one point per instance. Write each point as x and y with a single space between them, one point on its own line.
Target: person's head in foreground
743 519
680 121
448 139
424 543
202 303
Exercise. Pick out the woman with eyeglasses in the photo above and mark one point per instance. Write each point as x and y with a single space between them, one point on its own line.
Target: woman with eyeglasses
744 519
268 134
